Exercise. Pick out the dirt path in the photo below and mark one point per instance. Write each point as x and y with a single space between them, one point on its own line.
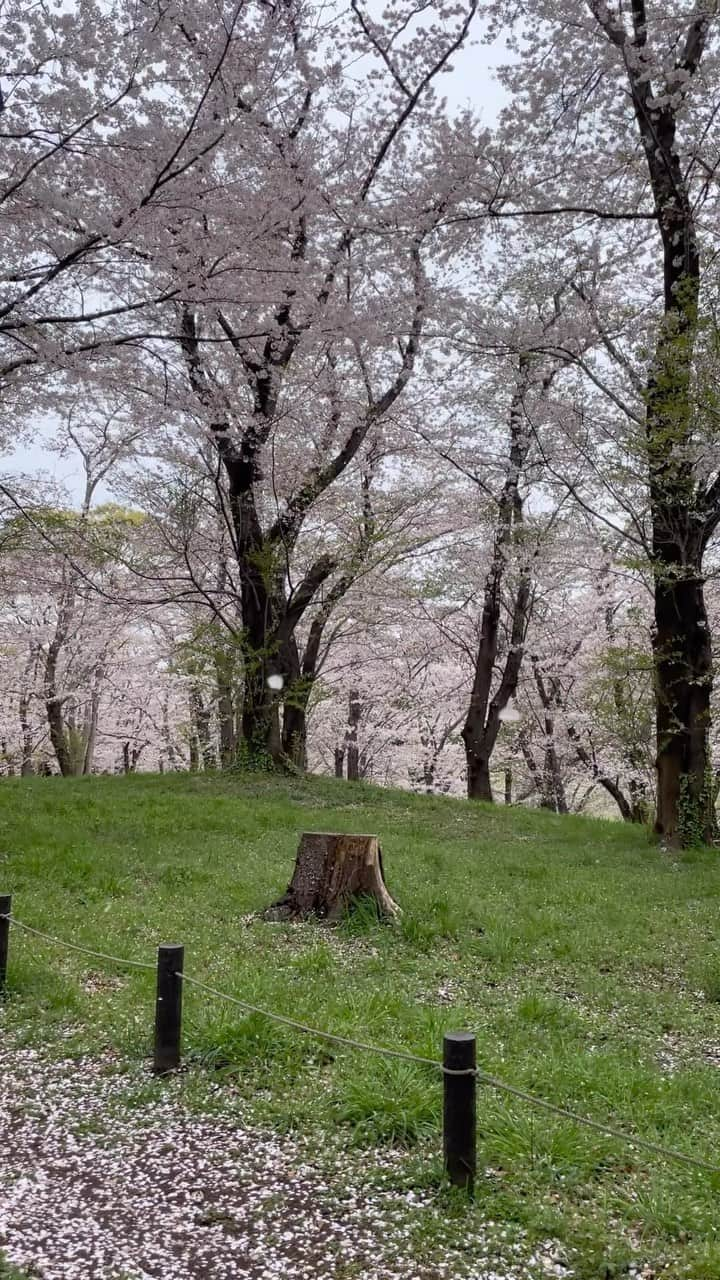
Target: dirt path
94 1189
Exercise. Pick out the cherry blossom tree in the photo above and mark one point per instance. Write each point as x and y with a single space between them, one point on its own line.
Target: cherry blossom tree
267 191
615 105
295 363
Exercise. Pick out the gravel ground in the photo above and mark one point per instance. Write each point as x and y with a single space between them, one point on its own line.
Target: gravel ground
94 1189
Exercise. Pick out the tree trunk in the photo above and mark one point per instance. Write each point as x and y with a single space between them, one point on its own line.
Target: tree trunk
60 736
351 736
260 715
57 736
92 712
552 792
636 807
429 767
27 769
294 735
303 670
169 748
262 605
226 712
554 787
130 758
339 762
683 667
680 518
479 786
294 719
331 872
482 723
201 719
530 762
271 611
639 807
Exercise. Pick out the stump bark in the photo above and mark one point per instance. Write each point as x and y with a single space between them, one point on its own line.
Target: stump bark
331 870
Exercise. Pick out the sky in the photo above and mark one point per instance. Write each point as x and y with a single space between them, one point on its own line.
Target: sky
470 83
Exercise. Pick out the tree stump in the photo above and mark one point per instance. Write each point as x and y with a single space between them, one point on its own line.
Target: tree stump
331 870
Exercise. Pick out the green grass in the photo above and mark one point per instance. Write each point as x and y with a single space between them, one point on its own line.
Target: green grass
7 1272
587 961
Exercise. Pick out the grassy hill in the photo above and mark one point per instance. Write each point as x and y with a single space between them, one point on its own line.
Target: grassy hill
587 961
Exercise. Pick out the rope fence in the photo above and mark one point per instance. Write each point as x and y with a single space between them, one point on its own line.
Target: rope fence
73 946
327 1035
458 1065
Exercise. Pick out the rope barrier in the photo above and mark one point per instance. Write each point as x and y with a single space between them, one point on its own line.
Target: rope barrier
484 1077
73 946
327 1035
605 1129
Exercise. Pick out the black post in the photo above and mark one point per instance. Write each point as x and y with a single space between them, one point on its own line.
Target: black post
459 1113
168 1008
6 911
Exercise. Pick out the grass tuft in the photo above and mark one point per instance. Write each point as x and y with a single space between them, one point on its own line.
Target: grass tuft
391 1102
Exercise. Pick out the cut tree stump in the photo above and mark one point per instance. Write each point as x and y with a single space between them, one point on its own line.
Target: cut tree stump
332 869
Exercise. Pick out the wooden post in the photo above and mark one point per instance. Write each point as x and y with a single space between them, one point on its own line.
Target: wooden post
6 911
459 1108
168 1008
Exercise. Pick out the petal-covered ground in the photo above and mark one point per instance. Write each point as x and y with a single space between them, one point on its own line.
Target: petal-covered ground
94 1189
